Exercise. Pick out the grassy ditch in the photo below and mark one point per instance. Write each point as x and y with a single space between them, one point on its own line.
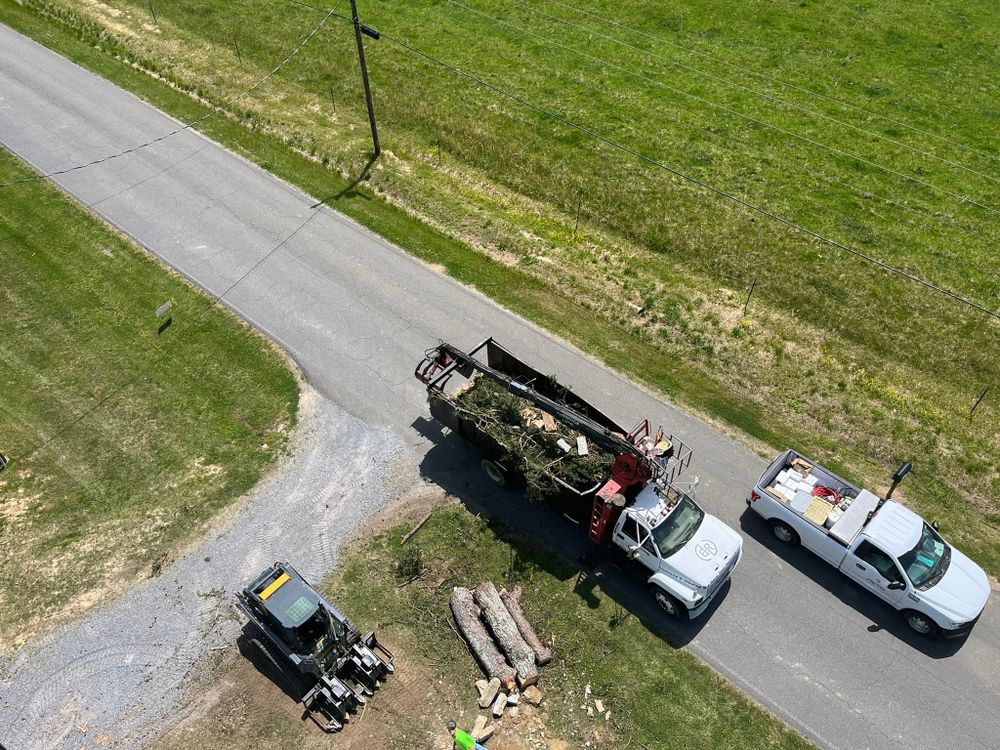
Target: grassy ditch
125 442
856 367
659 697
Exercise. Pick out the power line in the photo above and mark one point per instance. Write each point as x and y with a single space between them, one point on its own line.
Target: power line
798 165
729 110
772 79
769 97
695 181
189 125
108 397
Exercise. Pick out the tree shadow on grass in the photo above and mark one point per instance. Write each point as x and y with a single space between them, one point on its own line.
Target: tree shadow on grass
555 543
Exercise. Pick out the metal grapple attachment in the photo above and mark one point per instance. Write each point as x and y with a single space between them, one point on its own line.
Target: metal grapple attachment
334 698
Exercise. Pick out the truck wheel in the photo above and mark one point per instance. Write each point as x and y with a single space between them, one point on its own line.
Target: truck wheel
921 624
673 608
494 472
785 533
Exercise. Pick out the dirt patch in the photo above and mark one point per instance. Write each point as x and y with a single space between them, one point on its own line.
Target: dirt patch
240 707
413 506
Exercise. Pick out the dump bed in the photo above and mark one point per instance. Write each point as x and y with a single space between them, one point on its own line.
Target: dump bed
817 495
446 387
452 380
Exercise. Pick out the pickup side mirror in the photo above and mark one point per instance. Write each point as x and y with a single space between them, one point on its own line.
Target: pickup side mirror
934 525
633 552
896 586
901 472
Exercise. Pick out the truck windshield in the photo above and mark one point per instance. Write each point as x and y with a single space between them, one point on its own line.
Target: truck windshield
678 529
926 563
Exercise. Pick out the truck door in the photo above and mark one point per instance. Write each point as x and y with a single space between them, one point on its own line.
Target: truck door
630 534
874 569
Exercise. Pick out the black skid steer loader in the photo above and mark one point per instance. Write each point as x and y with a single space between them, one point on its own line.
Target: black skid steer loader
316 650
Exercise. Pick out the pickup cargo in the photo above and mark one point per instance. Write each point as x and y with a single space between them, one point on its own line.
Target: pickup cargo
878 543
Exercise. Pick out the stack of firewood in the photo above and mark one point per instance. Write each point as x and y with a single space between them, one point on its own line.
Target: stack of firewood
501 638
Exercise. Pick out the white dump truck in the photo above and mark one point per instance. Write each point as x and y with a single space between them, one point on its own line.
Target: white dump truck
878 543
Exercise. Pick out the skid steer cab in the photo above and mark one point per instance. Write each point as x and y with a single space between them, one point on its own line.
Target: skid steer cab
321 657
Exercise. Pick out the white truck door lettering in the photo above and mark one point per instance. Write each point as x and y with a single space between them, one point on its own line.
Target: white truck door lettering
874 569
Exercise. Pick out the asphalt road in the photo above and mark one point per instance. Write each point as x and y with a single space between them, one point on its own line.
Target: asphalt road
356 313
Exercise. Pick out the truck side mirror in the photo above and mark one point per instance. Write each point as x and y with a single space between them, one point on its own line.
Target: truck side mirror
934 525
633 552
896 585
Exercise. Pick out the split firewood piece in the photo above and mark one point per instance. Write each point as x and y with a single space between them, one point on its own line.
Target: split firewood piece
498 619
467 617
512 600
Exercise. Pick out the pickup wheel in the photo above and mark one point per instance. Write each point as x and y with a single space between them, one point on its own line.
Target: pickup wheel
491 469
921 624
785 533
671 607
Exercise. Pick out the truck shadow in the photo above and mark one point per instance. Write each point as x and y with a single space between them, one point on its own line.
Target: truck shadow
883 617
550 541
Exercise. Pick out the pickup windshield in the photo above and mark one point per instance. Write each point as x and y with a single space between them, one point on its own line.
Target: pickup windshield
678 529
926 563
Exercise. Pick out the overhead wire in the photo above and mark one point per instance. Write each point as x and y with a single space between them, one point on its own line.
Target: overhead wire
798 165
610 142
186 126
110 395
772 79
798 136
784 102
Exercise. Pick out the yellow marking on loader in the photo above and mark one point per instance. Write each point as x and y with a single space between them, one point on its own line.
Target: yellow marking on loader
282 580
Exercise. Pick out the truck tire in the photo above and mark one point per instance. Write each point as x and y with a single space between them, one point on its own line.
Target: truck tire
670 606
920 623
492 469
785 533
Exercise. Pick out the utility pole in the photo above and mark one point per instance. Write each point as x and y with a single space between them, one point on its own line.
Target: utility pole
360 29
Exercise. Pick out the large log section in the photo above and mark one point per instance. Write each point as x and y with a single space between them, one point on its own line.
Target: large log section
506 634
512 600
467 616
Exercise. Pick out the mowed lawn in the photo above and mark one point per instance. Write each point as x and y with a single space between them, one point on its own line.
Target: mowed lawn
872 123
123 443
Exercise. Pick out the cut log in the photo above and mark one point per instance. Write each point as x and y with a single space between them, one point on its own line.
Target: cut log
512 600
505 632
490 659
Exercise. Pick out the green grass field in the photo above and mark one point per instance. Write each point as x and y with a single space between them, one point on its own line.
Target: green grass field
861 368
659 696
124 443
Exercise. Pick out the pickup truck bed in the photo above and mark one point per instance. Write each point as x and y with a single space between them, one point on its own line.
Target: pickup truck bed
837 509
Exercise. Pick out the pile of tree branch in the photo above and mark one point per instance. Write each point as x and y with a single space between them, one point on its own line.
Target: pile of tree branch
531 439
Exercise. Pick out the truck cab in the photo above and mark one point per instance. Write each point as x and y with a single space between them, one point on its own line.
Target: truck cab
687 553
878 543
902 559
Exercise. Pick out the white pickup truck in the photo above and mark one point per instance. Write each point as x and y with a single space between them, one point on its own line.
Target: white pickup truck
880 544
686 553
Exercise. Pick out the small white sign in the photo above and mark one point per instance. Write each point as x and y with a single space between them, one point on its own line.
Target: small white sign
164 309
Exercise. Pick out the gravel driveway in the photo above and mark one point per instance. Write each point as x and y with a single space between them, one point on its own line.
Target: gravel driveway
111 679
